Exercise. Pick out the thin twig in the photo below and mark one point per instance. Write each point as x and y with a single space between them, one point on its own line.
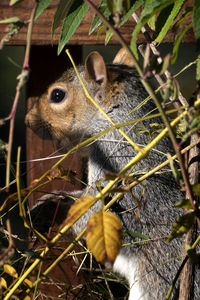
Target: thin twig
22 80
155 51
187 275
10 245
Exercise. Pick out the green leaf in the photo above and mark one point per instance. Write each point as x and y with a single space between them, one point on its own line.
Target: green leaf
23 75
10 20
135 6
195 122
152 22
161 19
97 21
164 66
173 167
182 225
42 5
141 129
178 41
61 12
177 6
71 23
185 203
156 125
196 18
137 235
193 255
188 10
150 9
196 189
101 30
109 35
198 69
146 57
115 6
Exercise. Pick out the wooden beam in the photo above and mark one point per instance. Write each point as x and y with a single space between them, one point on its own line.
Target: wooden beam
42 27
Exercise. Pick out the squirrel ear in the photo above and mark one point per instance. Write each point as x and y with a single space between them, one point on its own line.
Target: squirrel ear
95 68
124 58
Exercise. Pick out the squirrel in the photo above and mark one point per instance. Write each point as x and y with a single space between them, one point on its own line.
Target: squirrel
70 118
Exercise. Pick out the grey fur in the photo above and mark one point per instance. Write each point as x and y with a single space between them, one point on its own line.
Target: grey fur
153 264
157 261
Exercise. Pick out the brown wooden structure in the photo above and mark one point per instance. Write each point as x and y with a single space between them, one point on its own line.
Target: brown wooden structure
42 27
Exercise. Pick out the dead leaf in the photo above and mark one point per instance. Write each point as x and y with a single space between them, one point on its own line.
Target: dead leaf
3 283
62 174
27 297
10 270
80 207
12 199
104 236
28 283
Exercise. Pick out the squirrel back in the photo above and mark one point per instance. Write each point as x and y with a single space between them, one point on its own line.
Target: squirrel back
71 117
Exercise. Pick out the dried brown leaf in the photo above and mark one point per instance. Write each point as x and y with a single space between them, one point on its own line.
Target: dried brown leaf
104 236
78 209
10 270
3 283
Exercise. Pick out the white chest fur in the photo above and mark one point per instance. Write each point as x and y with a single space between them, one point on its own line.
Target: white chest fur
127 267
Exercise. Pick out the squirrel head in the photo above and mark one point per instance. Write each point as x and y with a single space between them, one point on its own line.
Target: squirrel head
66 112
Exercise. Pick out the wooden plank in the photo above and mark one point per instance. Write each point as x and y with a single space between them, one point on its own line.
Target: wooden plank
45 67
42 27
62 282
41 149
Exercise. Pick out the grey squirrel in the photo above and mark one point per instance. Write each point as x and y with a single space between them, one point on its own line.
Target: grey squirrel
70 117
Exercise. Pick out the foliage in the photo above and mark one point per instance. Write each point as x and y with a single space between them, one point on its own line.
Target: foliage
160 16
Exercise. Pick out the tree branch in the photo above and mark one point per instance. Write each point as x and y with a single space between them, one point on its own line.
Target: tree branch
22 79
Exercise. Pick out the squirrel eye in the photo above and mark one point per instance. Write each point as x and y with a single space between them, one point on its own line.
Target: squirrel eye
57 95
